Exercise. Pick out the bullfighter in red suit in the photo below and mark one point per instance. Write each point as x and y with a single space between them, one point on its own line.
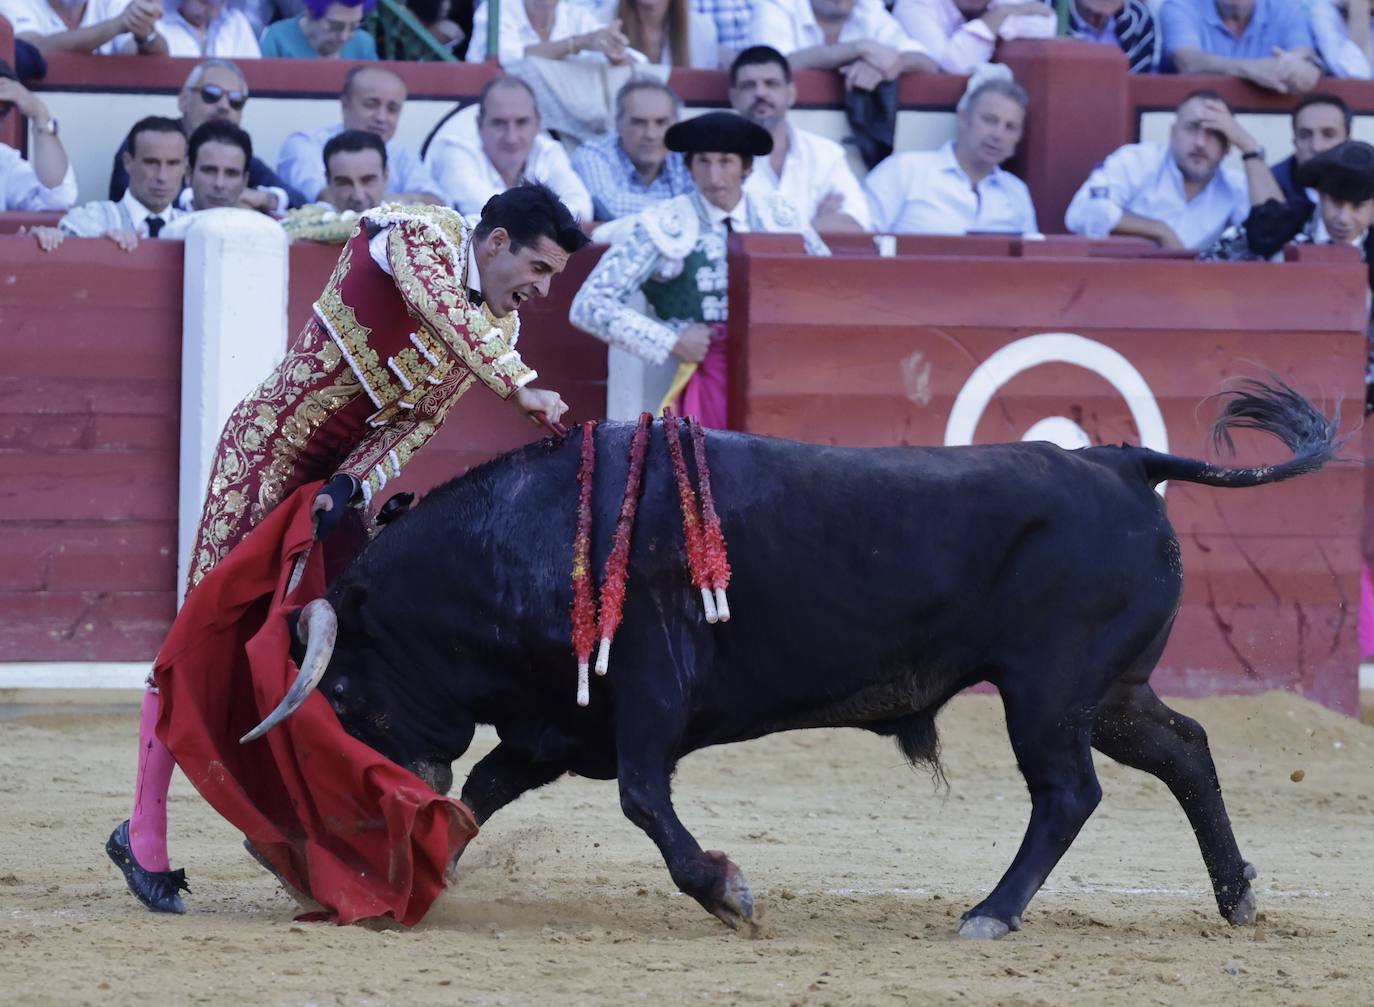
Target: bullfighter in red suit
418 308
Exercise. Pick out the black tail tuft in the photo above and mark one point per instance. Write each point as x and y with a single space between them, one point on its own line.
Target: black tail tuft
1274 409
920 743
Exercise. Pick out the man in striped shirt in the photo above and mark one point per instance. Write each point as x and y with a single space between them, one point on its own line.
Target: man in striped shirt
1128 24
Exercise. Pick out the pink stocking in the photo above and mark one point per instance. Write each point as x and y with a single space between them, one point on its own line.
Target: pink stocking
148 823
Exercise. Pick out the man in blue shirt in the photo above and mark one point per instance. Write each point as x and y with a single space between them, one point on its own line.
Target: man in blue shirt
1267 42
631 169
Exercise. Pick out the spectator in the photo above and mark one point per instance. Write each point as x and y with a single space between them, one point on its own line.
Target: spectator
45 181
1179 195
508 149
372 100
1320 122
99 26
961 34
631 169
856 37
435 16
549 29
734 21
200 28
156 164
326 29
675 256
215 90
356 169
1341 32
810 171
218 154
1127 24
261 13
670 33
960 187
1266 42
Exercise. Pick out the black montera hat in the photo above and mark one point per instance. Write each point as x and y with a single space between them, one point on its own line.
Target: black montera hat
1344 172
724 132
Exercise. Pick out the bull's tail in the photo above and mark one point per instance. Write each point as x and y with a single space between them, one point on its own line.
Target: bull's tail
1274 408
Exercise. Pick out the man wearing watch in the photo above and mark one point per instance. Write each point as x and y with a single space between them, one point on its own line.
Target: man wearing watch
45 181
106 27
1179 194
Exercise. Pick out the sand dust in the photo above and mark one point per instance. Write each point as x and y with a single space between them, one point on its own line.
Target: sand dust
860 865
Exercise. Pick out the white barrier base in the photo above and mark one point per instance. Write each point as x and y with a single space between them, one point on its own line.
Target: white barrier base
75 675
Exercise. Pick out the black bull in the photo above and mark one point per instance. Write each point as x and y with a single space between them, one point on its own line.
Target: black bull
869 586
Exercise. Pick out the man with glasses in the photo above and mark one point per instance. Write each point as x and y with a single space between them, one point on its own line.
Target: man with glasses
46 180
372 101
215 90
328 29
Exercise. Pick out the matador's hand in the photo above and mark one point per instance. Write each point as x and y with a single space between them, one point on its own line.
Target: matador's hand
328 509
542 405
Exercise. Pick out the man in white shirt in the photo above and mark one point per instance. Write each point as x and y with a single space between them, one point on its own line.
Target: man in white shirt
961 34
372 100
509 149
46 181
961 187
156 162
97 26
1179 195
200 28
859 38
811 171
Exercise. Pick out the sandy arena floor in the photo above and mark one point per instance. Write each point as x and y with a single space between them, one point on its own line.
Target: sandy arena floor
862 869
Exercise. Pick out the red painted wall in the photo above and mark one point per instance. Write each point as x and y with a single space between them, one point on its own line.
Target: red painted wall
869 351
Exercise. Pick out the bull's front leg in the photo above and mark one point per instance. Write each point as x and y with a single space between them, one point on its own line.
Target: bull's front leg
502 775
708 876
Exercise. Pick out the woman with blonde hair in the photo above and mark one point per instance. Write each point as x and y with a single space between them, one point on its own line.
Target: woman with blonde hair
670 33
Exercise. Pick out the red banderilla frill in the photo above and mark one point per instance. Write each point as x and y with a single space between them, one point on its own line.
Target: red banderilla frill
617 563
584 605
691 521
712 537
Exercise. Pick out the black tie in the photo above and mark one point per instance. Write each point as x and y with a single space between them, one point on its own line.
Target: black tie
155 224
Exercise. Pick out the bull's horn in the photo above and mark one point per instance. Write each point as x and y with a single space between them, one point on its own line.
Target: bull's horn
318 627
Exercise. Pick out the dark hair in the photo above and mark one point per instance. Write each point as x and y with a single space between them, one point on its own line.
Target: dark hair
220 131
316 8
760 55
353 141
151 124
1325 98
746 160
362 68
529 212
1204 92
506 81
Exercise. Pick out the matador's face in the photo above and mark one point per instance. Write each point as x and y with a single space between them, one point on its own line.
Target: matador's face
512 275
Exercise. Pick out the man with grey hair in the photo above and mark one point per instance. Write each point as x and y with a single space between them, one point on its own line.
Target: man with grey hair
372 100
961 187
631 169
215 90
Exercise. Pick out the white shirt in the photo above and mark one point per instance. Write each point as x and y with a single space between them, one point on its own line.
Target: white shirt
301 164
958 45
813 168
790 25
468 178
230 36
1144 179
926 192
38 17
20 188
139 213
517 33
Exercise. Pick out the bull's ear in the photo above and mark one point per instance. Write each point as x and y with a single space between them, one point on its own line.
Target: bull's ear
351 603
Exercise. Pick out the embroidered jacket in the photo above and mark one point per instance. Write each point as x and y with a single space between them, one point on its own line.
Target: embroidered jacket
676 256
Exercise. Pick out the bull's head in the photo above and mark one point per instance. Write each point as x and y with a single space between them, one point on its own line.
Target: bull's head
371 706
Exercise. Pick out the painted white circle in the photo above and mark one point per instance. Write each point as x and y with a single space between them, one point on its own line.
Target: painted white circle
1056 348
1059 430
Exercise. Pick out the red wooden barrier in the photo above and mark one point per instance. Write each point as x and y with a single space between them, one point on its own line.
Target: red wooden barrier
868 351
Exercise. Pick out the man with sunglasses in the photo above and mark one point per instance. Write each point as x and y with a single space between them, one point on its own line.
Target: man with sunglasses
45 181
215 90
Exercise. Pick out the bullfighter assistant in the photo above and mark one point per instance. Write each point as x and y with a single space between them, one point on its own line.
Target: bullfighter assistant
418 308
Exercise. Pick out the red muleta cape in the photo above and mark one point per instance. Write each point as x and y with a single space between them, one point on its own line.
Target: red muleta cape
361 835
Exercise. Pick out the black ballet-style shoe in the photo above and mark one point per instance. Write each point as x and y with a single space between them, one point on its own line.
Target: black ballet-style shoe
158 890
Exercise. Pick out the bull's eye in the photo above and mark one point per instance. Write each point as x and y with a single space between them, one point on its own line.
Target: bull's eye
339 689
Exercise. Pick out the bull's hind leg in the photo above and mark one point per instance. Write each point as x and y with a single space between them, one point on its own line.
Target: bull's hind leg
1053 750
647 755
1135 728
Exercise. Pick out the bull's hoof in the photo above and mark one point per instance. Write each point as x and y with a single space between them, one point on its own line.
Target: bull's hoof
1241 911
732 902
987 928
